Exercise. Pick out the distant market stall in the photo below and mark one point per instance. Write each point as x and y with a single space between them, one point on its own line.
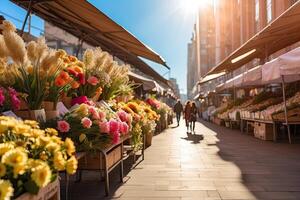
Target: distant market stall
266 96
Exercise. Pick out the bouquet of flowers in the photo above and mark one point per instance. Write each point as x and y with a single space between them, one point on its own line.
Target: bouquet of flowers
9 99
35 70
31 157
93 128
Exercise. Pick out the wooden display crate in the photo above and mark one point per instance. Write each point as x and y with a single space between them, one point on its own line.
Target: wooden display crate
50 192
263 131
293 115
96 161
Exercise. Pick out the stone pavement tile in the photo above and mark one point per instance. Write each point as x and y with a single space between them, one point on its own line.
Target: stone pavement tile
276 195
236 195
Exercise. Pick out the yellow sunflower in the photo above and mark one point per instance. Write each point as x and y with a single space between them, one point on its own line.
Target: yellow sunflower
70 147
59 161
71 165
6 190
41 175
14 157
5 147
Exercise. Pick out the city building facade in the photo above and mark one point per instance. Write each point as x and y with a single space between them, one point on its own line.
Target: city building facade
224 25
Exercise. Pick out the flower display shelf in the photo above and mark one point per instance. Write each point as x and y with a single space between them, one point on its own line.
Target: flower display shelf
50 192
105 160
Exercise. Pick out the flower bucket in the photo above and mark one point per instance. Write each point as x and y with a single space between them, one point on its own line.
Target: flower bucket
48 105
51 114
50 192
37 115
67 101
149 139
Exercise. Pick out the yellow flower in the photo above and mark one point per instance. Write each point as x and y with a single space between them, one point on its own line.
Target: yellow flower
52 147
19 170
43 156
59 161
6 190
5 125
41 175
82 110
22 129
51 131
32 123
5 147
69 146
32 163
82 137
2 170
71 165
14 157
43 140
37 133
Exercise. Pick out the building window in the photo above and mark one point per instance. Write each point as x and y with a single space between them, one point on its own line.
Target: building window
269 10
257 15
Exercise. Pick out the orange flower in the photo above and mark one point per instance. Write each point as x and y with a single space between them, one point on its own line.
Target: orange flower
77 69
72 58
64 75
59 82
75 85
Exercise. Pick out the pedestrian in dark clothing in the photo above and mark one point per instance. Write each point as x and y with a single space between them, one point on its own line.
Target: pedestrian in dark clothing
194 112
187 114
178 109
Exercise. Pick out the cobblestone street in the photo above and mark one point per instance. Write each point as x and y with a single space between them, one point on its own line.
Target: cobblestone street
224 164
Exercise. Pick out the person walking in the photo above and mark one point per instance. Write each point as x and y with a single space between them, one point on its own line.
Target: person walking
178 109
194 112
187 114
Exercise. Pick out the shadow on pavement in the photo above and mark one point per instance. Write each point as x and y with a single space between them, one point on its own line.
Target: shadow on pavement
193 137
268 170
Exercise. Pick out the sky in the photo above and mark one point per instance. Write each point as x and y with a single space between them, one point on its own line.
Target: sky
165 26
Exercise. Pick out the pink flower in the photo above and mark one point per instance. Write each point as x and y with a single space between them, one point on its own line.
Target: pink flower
93 80
94 113
113 126
104 127
15 101
102 115
80 100
2 97
122 115
116 138
63 126
86 122
124 128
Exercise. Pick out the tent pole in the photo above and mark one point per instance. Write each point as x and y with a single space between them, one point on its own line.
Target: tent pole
285 109
26 17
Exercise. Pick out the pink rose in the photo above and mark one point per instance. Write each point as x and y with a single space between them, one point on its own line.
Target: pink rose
93 80
86 122
63 126
113 126
116 138
94 113
124 128
104 127
122 115
102 115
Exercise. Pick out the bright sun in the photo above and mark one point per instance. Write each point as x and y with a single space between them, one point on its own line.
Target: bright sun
192 6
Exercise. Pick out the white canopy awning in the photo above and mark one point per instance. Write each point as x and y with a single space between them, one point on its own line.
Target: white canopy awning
287 65
252 77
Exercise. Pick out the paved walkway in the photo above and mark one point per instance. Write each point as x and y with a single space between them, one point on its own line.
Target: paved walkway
224 164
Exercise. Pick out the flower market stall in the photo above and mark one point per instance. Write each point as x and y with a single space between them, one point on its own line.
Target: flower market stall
86 107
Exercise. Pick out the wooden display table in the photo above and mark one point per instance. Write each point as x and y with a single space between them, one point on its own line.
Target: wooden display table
263 129
105 160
